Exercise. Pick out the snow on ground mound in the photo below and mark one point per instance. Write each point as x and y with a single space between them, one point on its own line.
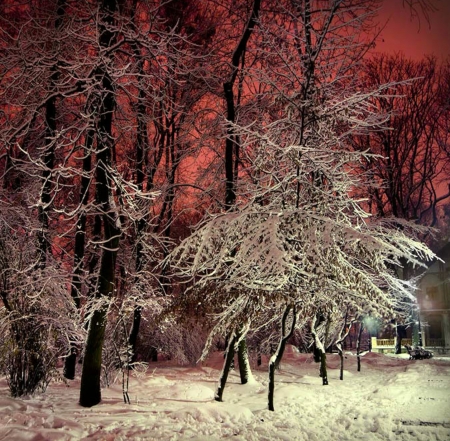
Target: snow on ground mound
185 391
392 398
215 413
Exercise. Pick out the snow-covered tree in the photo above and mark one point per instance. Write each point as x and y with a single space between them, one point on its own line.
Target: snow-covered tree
37 316
319 256
299 235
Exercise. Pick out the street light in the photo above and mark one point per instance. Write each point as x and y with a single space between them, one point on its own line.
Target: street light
371 324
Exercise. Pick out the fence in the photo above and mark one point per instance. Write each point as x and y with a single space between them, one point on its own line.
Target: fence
382 345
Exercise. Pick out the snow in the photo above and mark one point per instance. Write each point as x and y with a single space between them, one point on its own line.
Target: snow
392 398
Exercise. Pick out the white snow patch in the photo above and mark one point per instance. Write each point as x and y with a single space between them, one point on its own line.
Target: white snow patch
392 398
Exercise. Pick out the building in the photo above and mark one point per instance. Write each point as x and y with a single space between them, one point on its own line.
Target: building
433 297
432 330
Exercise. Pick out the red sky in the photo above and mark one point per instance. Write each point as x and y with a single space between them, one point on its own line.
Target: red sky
403 33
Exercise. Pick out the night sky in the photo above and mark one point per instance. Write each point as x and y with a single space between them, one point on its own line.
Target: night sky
405 33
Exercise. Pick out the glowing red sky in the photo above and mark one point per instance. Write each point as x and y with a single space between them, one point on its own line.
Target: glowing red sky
403 33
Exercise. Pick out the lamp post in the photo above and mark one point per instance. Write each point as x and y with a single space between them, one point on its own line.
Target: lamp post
418 341
420 329
371 324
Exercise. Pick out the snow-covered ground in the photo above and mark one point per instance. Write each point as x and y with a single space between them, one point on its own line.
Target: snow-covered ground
392 398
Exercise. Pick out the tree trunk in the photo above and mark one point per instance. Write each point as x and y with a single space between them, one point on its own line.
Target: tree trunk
90 393
49 153
358 345
134 332
323 368
48 160
321 351
79 250
341 358
316 353
232 149
342 336
339 342
90 389
231 143
229 356
70 363
278 355
141 149
141 225
244 364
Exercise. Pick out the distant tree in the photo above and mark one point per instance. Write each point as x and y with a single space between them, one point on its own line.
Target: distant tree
410 167
411 162
171 82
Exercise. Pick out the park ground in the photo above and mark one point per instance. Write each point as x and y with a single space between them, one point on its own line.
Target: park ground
392 398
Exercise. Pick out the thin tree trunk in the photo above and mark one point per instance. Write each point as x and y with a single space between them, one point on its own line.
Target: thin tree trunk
172 163
229 356
321 350
141 149
79 249
232 145
342 336
278 355
341 358
323 368
358 346
49 153
141 225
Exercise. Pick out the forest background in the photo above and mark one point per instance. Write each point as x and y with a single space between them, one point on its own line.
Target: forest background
184 175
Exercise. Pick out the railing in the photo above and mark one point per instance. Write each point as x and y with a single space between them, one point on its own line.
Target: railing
383 342
388 344
435 342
